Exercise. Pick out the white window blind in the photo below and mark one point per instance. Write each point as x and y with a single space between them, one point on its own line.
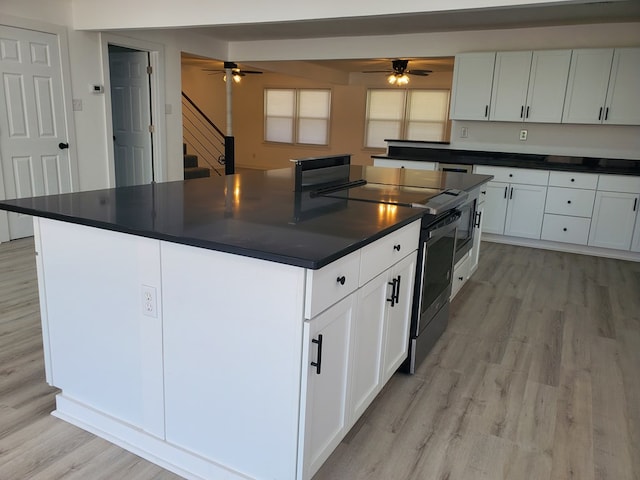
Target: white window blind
279 115
297 116
405 115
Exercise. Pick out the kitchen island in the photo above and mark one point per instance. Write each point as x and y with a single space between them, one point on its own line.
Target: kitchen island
217 327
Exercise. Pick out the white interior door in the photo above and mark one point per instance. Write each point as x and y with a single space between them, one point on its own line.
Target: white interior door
130 104
32 125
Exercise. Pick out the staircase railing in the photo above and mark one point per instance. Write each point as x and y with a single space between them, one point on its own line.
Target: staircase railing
206 140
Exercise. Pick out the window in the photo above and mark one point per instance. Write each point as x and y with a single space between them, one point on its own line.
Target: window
297 115
406 115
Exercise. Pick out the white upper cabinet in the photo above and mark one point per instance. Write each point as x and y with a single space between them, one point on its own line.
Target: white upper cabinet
623 95
530 86
587 87
472 81
510 81
547 86
604 87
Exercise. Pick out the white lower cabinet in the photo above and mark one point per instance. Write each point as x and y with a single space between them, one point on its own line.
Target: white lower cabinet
514 209
477 236
635 243
564 228
396 334
325 379
495 207
614 216
380 333
460 274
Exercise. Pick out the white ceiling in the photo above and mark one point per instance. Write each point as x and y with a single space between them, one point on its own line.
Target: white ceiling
580 12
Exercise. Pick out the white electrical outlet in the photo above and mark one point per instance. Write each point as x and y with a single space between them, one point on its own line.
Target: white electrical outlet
523 135
149 301
464 132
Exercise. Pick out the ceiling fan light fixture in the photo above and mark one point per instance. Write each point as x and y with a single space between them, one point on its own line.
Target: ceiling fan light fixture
234 75
399 79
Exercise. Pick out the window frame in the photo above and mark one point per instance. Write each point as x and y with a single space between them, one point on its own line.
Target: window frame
296 118
405 119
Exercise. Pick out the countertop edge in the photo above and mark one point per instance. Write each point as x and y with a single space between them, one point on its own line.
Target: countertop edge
212 245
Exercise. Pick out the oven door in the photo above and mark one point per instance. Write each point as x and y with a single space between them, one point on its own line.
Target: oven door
438 248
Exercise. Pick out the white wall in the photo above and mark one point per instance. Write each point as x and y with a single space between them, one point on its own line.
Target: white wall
83 50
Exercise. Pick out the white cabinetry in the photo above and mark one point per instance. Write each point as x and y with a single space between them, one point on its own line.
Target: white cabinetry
615 211
529 86
515 201
396 334
603 87
399 163
326 352
635 243
569 207
472 82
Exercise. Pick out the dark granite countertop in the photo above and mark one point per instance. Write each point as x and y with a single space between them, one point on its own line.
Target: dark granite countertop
501 159
256 214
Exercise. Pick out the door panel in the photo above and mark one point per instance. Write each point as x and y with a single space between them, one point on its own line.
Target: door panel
33 123
131 115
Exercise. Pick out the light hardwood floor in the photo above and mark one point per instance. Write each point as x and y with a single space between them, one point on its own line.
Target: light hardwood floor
537 377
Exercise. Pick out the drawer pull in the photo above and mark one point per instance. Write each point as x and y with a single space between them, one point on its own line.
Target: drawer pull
341 280
569 202
461 278
396 247
521 111
573 179
600 114
318 364
564 229
510 175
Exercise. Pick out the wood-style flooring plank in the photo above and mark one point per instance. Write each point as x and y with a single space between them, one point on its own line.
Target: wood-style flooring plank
535 378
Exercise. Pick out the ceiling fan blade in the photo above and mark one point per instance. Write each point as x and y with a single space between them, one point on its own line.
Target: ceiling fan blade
251 71
422 73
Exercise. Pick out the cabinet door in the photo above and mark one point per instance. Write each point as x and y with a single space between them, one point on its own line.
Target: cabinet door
366 345
396 336
495 207
510 81
477 237
614 216
325 375
587 85
547 86
472 81
623 96
525 211
635 243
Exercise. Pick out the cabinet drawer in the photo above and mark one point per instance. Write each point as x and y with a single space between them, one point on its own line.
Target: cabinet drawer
570 201
331 283
560 228
526 176
460 275
383 253
619 183
573 180
414 164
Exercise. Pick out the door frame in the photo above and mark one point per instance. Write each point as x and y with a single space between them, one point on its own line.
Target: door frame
67 95
157 84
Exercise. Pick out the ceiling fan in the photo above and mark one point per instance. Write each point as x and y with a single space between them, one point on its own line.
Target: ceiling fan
398 75
236 73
